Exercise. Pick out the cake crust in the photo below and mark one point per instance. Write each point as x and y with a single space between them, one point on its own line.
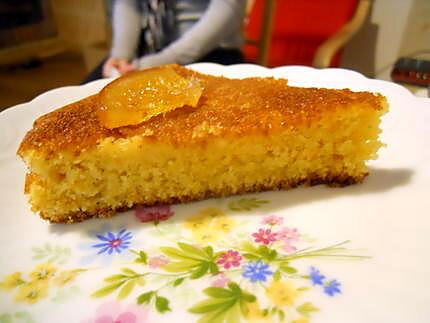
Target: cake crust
224 109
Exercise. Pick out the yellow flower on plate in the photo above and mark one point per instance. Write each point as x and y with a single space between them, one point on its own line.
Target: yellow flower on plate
66 276
209 225
43 272
302 320
223 223
282 293
32 292
198 221
255 314
11 281
205 236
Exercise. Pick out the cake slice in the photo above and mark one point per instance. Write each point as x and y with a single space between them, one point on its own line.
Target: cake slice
169 135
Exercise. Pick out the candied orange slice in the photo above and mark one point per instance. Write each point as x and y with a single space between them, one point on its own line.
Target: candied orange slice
140 96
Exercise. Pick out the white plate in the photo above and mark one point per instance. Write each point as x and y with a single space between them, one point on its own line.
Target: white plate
49 272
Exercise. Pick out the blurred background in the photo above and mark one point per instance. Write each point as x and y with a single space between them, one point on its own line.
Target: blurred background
46 44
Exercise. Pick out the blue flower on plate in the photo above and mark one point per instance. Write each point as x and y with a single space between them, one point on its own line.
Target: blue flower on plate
332 287
256 271
108 243
316 277
113 242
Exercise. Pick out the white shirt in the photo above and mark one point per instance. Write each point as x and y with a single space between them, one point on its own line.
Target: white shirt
202 25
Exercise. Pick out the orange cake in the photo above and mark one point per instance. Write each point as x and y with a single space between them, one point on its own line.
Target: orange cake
169 135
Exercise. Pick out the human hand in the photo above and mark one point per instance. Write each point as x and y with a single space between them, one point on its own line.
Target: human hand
120 64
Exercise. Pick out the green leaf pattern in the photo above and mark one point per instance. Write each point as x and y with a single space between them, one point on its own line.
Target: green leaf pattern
229 296
16 317
51 253
246 204
188 262
223 304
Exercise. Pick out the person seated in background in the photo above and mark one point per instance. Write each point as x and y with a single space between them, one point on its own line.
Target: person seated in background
149 33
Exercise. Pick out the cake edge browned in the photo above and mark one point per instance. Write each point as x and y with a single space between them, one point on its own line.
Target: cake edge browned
338 180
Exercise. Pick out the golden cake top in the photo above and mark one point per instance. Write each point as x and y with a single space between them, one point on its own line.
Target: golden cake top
225 107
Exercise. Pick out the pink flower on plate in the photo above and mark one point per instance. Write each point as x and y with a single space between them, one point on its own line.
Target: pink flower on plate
157 261
220 281
288 234
288 247
114 312
229 259
272 220
154 213
264 236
